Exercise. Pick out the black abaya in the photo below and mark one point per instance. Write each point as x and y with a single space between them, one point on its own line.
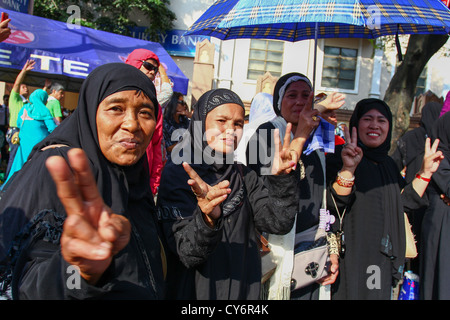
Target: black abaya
434 245
222 262
41 272
373 223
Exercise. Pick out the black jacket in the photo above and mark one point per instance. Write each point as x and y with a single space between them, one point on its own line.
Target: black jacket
224 262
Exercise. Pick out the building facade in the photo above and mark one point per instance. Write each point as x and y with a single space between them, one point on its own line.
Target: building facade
356 67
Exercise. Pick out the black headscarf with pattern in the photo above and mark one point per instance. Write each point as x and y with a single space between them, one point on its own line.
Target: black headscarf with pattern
212 166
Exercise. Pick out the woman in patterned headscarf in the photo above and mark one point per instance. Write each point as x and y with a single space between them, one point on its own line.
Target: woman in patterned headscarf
210 208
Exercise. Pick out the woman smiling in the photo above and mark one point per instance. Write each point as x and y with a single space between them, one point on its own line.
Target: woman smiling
88 205
211 207
371 198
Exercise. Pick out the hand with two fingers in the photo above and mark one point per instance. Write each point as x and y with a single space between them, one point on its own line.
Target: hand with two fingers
431 158
92 234
208 197
351 154
286 154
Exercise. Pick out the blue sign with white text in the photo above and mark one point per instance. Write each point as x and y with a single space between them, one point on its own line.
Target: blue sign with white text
74 51
173 41
15 5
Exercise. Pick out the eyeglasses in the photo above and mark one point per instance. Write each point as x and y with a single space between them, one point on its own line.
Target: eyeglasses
149 66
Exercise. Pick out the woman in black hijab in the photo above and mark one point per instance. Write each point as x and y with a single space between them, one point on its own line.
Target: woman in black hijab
371 197
435 258
408 155
210 210
113 124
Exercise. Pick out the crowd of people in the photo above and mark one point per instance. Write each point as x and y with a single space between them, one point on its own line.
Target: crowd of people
146 198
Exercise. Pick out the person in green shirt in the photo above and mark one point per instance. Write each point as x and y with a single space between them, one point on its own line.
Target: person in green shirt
19 94
53 103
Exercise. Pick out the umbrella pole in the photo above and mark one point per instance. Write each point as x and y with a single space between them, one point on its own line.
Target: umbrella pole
315 56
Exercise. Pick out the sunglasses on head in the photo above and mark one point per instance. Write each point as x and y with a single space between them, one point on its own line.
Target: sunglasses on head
149 66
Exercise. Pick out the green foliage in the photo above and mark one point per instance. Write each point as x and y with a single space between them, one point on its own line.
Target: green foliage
111 15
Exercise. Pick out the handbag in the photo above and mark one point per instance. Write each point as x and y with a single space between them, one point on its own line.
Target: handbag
311 258
411 248
311 255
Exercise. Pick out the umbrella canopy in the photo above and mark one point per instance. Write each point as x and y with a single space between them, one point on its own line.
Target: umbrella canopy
68 53
294 20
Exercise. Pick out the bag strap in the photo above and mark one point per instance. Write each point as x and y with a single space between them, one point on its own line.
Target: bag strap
322 162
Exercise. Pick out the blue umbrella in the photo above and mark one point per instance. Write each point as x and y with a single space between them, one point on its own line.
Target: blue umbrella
294 20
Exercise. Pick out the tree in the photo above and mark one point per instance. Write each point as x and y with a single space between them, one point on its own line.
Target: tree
400 92
111 15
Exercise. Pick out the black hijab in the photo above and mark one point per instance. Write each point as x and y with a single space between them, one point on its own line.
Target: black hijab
80 131
20 200
380 153
441 131
393 238
212 166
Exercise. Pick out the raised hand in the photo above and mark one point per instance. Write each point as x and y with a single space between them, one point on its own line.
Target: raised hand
308 120
208 197
29 65
5 31
351 154
431 158
286 155
92 233
333 101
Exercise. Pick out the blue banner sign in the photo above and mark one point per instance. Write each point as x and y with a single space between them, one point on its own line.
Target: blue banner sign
60 49
173 41
15 5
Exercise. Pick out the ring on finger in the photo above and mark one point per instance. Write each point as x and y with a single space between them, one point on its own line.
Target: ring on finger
207 198
315 118
197 194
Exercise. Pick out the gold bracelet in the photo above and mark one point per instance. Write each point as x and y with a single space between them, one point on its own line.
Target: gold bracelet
333 246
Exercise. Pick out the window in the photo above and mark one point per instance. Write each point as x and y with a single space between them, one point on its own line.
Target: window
339 68
265 56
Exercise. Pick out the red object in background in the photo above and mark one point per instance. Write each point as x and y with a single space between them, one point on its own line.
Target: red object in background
446 2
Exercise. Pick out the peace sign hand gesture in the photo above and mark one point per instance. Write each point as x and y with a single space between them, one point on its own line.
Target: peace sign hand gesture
286 155
351 154
208 197
92 234
431 158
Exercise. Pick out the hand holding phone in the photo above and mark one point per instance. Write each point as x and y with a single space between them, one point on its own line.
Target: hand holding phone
5 31
4 16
